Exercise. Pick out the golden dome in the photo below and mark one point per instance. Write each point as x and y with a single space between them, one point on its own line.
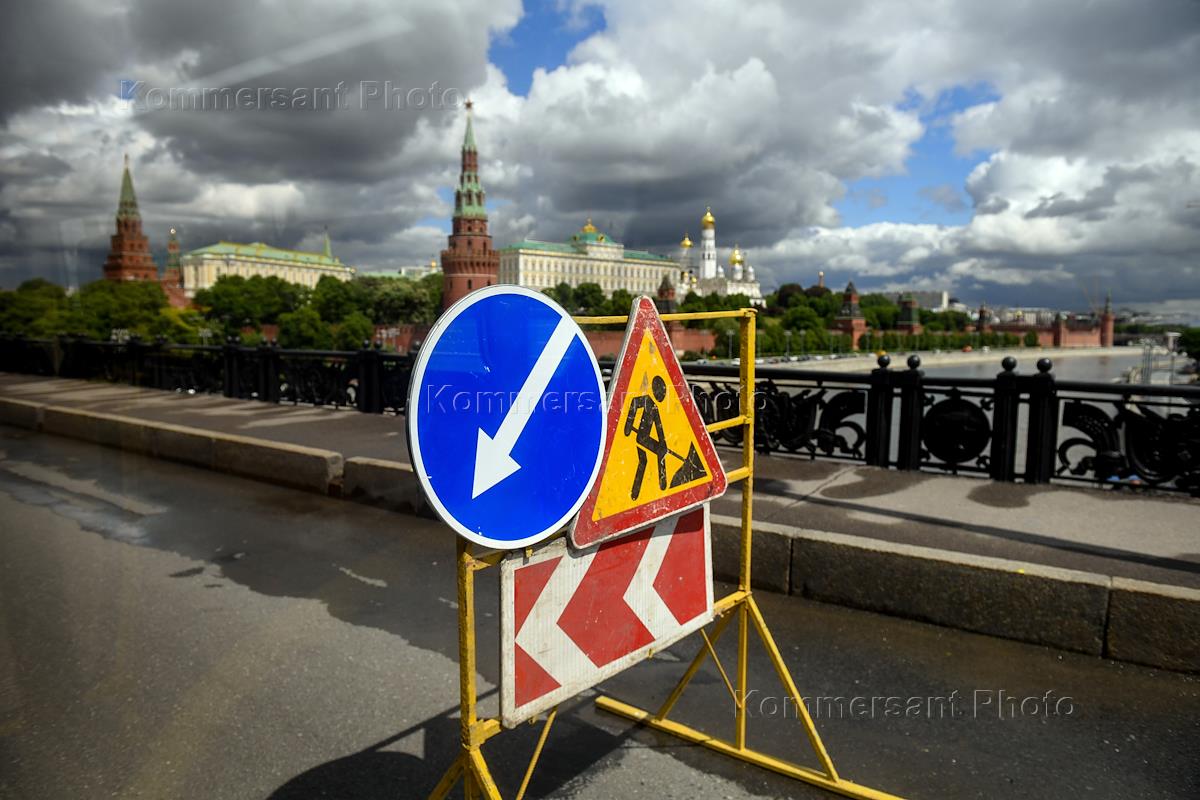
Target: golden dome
686 242
736 256
589 227
433 263
707 221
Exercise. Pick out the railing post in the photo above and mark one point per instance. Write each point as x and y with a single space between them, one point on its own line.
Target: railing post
269 371
912 407
229 351
879 414
136 352
1043 425
377 378
1005 408
156 358
368 396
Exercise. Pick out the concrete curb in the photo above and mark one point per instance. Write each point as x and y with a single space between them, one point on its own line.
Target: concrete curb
387 484
20 413
1123 619
290 465
1152 624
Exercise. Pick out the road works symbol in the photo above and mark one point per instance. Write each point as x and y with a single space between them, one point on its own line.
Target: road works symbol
506 417
572 618
660 459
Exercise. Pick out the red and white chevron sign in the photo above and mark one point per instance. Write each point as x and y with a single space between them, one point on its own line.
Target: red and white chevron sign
571 618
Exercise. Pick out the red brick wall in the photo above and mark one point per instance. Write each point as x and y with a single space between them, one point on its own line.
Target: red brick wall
607 343
401 337
1054 336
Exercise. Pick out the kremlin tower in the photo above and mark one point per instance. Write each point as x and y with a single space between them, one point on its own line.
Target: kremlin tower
469 262
850 320
129 255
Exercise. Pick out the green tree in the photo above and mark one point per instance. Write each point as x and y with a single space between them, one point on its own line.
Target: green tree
1031 338
35 309
334 300
1189 342
620 303
103 306
353 331
431 287
564 295
589 299
786 296
304 329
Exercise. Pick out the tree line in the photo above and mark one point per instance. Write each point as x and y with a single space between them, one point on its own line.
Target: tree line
342 314
333 315
797 320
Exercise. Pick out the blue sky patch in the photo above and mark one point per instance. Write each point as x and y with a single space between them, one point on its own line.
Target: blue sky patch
545 35
932 191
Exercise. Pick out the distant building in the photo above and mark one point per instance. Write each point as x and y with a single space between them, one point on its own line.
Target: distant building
931 300
129 256
469 262
202 267
910 315
589 257
172 277
850 320
707 277
411 272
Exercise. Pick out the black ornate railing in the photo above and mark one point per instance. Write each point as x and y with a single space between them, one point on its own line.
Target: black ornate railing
1026 427
1014 427
368 379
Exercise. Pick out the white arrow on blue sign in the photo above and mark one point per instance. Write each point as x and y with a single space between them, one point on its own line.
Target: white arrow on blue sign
506 417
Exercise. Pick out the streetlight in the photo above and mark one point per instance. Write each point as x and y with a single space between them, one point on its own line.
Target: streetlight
788 336
729 336
803 342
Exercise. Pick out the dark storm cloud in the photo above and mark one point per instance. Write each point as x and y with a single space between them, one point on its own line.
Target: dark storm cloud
342 115
57 51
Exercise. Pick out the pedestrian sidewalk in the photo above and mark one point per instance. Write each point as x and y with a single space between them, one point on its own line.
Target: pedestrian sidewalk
1147 537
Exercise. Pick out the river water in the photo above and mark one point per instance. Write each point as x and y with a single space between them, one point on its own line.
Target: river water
1101 368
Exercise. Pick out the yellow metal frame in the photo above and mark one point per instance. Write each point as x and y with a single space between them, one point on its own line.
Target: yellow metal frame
470 766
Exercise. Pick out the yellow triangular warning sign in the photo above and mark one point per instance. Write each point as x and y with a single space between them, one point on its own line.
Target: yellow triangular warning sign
660 460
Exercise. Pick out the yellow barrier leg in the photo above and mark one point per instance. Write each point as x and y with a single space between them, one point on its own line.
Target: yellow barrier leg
785 677
448 780
692 669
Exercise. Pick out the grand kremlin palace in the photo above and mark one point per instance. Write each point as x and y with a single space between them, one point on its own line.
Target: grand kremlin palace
202 267
590 257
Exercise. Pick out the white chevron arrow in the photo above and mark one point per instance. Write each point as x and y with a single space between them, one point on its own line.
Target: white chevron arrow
493 454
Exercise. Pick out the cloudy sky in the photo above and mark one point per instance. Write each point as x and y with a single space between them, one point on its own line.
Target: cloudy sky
1013 153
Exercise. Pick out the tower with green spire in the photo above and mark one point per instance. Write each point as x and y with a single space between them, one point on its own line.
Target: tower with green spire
129 256
469 262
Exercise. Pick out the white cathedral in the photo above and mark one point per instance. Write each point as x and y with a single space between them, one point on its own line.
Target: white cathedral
737 278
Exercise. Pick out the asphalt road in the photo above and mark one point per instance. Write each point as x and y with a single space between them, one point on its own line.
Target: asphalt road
170 632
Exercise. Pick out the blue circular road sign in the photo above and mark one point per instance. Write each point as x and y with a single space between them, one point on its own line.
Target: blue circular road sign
506 417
